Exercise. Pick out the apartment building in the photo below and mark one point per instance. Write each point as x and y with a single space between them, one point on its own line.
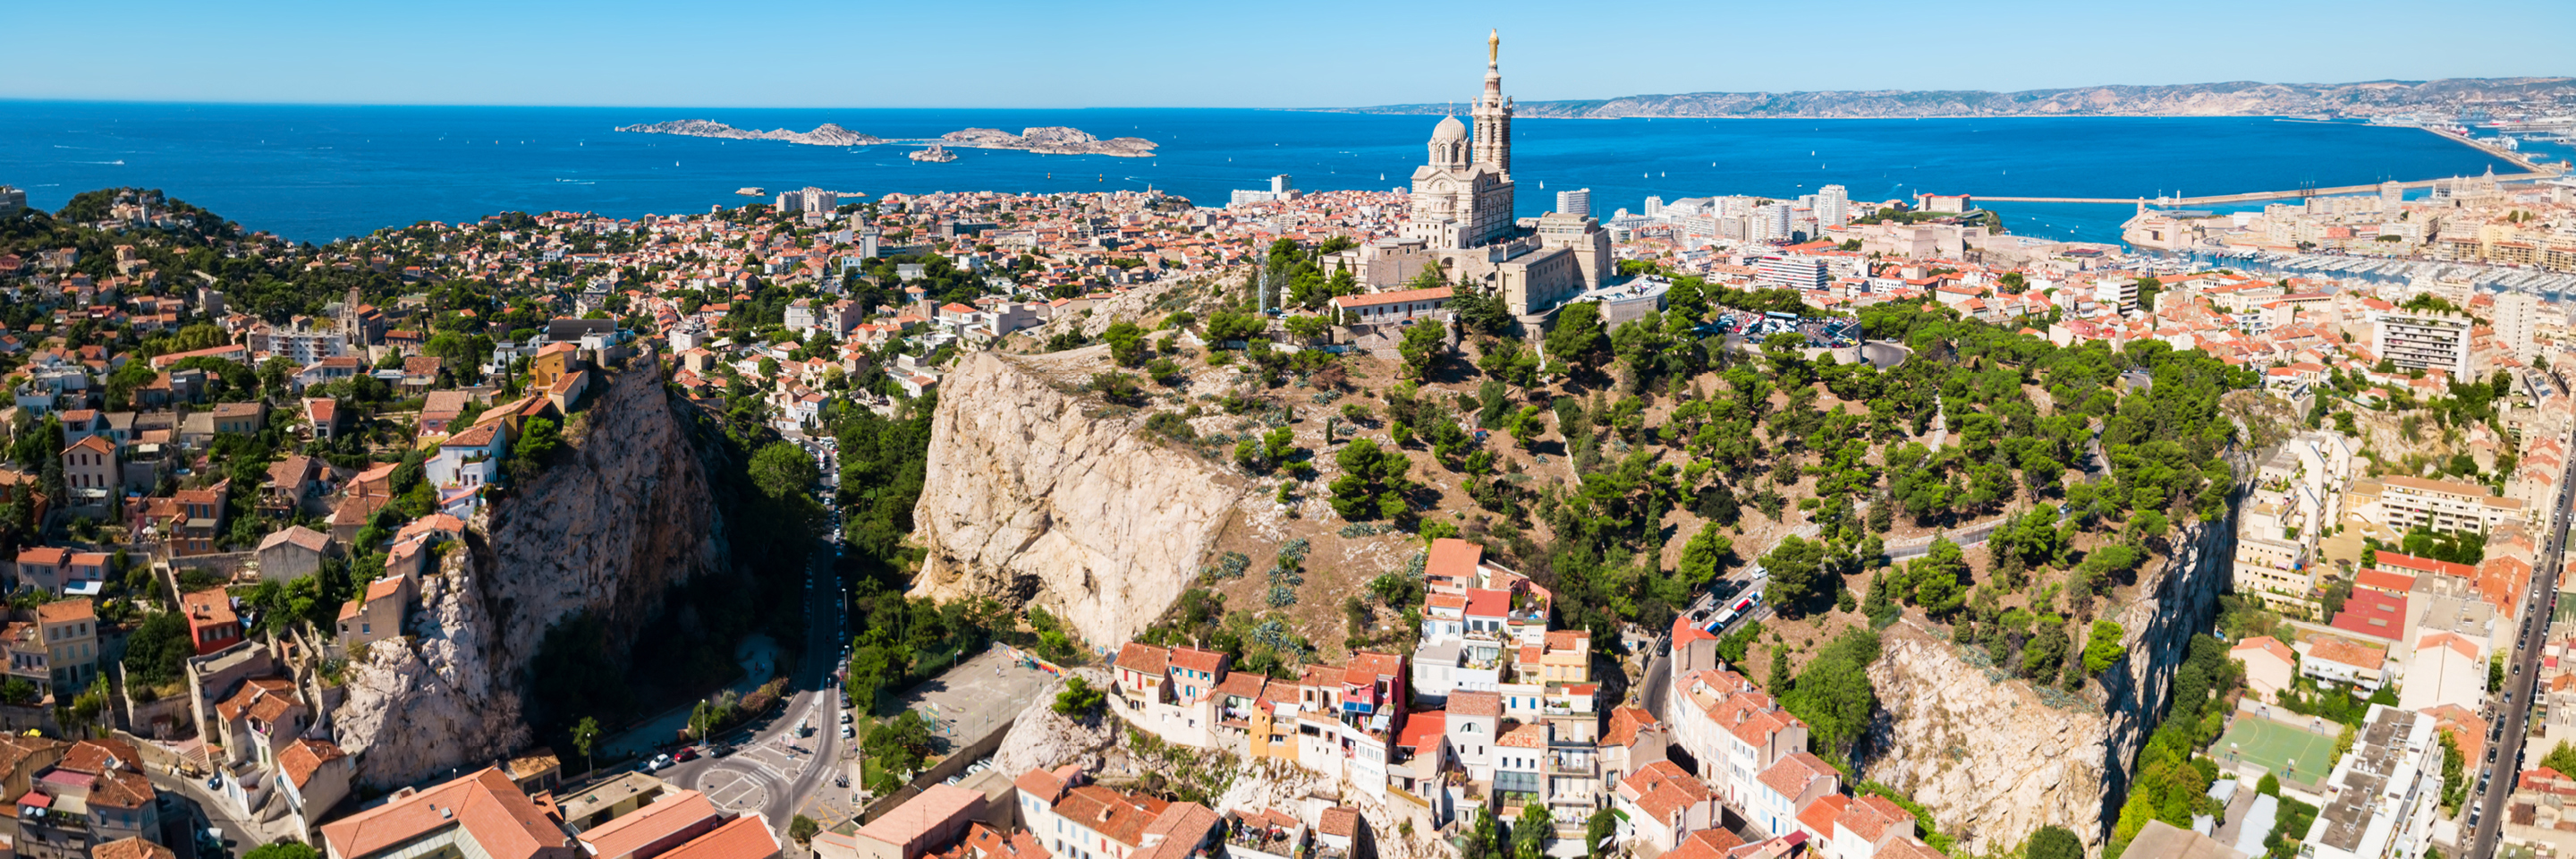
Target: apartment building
2444 505
1336 720
1074 819
2272 569
1733 729
2384 795
2427 340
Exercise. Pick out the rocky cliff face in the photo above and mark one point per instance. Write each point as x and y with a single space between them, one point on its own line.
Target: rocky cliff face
1032 498
609 529
418 708
1987 758
1993 760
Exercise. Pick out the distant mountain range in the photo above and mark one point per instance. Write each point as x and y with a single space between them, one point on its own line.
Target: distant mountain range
2239 98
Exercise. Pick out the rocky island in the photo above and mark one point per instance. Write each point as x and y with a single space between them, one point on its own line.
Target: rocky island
827 134
1052 140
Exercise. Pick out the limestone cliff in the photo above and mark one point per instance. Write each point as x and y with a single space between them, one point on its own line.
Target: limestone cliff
623 515
418 708
1034 495
1994 760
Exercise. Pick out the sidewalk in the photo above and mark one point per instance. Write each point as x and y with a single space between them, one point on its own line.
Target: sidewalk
758 656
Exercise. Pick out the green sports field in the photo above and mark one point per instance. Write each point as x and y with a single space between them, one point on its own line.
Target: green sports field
2271 745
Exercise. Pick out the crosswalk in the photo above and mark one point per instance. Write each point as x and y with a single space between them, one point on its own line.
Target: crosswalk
738 785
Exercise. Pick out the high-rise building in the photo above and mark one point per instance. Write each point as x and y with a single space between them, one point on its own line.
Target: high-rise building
1577 202
791 201
2391 193
1833 205
1773 221
2429 340
1654 207
818 200
2517 323
11 200
1280 185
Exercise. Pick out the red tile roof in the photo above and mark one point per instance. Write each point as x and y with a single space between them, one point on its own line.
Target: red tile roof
1705 844
1792 774
2373 614
1819 815
1195 659
1475 702
1454 558
2384 580
304 757
1437 293
1870 816
1144 658
1422 728
494 812
745 837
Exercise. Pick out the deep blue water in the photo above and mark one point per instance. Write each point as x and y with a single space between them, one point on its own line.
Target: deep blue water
321 172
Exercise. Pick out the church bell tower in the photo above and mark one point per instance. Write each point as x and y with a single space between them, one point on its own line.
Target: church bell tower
1493 113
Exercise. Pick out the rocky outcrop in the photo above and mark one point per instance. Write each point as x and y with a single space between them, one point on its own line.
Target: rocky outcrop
623 516
1050 140
827 134
1035 496
421 707
1993 759
1987 758
1042 739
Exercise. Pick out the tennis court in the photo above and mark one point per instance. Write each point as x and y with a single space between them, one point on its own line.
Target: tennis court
2272 745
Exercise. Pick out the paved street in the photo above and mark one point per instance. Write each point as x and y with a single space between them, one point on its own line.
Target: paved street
773 771
2505 747
189 797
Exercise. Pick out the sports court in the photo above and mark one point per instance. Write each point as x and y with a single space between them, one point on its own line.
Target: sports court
2270 745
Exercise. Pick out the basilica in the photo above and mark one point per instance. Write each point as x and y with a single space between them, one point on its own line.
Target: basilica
1463 223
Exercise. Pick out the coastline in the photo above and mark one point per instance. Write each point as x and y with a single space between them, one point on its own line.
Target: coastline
359 170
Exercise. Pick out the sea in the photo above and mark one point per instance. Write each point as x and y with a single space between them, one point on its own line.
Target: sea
321 172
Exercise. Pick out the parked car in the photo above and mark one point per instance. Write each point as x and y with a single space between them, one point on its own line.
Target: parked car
658 763
687 753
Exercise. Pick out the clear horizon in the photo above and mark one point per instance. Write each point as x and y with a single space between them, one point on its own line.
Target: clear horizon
1017 54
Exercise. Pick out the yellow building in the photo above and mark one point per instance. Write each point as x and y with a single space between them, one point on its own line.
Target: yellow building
553 362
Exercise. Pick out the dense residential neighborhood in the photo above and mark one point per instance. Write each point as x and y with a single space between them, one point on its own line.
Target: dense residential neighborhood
246 478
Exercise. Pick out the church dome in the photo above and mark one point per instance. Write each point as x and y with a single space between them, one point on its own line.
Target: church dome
1449 129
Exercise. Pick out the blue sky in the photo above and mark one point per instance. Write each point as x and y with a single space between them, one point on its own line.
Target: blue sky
1005 53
